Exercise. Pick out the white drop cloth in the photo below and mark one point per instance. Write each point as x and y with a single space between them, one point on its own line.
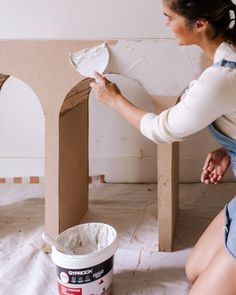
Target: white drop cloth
132 210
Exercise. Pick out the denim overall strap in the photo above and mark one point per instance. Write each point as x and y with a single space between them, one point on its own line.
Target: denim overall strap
226 63
225 141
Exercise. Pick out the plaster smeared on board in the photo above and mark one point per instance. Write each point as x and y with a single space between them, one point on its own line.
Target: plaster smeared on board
161 67
113 59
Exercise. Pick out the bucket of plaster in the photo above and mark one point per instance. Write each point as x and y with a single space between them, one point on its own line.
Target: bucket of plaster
89 270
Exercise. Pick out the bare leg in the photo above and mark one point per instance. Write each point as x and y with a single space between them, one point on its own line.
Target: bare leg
218 278
207 247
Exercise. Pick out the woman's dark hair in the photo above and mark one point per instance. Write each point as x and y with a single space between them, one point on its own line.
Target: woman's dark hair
219 13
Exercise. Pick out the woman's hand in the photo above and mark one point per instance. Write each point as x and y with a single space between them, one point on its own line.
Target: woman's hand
215 167
106 91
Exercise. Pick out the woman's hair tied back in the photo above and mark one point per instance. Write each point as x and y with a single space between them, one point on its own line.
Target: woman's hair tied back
220 14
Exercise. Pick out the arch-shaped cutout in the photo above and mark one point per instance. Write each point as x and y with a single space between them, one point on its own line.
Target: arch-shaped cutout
22 130
116 149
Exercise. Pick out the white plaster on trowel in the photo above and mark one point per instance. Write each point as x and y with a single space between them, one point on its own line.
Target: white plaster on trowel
92 59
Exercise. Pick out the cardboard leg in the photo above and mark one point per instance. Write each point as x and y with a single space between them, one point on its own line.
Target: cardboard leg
73 156
168 193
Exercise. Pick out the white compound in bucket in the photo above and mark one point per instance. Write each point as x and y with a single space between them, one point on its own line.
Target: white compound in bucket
90 238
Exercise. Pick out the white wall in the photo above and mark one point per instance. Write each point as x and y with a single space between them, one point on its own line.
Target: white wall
81 19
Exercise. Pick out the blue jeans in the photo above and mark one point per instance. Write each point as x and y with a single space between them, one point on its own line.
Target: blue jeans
230 209
230 145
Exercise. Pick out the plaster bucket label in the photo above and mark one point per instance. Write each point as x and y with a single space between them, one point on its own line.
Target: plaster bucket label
94 278
89 273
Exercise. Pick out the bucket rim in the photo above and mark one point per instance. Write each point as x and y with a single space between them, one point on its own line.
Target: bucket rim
114 244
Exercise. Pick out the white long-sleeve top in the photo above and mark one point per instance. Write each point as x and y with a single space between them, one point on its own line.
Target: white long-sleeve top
210 98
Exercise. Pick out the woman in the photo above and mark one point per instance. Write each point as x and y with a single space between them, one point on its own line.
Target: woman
209 101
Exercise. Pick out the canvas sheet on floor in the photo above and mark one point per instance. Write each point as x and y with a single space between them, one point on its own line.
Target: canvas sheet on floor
132 210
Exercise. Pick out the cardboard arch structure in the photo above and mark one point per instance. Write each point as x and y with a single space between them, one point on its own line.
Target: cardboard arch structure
44 66
63 94
73 153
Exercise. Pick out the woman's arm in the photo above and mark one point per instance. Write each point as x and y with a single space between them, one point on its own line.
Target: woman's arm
206 99
108 93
